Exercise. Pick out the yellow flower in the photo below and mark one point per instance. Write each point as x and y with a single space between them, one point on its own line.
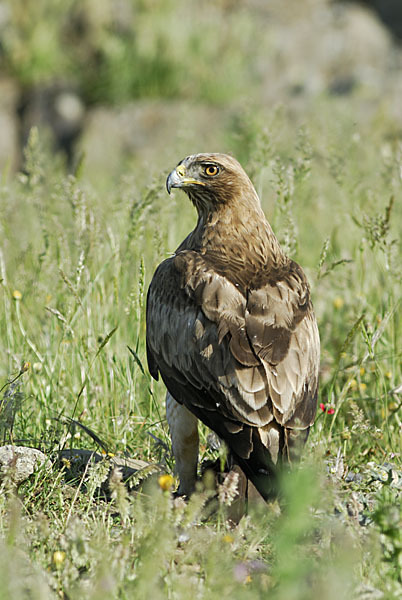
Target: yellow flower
165 482
58 558
228 538
362 387
248 579
362 371
17 295
37 367
388 374
338 302
353 384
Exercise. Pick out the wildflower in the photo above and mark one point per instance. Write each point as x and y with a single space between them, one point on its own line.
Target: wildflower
362 387
228 539
329 411
17 295
362 371
240 572
353 384
388 374
243 571
25 366
37 367
58 558
66 463
338 303
165 482
183 537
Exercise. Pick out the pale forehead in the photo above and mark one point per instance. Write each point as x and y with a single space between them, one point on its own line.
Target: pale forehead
223 159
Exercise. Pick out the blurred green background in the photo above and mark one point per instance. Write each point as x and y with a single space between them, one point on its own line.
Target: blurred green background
146 76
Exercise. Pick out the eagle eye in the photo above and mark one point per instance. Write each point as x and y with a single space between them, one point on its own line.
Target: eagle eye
211 170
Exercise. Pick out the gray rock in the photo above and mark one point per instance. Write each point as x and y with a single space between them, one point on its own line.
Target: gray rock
324 47
133 471
19 462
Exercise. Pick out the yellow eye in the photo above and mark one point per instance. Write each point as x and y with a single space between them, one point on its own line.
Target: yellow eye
211 170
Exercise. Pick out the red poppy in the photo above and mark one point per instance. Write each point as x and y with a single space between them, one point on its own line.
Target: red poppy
329 411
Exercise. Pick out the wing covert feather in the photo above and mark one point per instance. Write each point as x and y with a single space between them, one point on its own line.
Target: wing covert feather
259 350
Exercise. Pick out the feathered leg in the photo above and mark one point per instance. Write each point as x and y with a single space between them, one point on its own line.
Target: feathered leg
183 426
294 443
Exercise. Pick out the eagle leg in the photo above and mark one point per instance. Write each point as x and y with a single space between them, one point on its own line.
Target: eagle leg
183 426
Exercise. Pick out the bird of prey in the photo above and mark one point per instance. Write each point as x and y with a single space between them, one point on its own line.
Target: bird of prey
231 330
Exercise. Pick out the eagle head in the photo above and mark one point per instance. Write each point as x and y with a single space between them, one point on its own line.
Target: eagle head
211 180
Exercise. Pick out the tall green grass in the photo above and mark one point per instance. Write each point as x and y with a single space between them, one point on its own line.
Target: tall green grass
75 263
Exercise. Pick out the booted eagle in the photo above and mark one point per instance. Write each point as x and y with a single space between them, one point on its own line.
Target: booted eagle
231 330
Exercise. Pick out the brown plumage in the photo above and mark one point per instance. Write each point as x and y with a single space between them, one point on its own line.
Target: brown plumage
231 329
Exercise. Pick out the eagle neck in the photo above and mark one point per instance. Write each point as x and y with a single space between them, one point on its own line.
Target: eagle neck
241 232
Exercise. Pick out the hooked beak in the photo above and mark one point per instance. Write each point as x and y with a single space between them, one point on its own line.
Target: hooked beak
173 181
177 179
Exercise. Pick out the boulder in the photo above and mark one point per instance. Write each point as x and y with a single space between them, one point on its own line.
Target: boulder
19 462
